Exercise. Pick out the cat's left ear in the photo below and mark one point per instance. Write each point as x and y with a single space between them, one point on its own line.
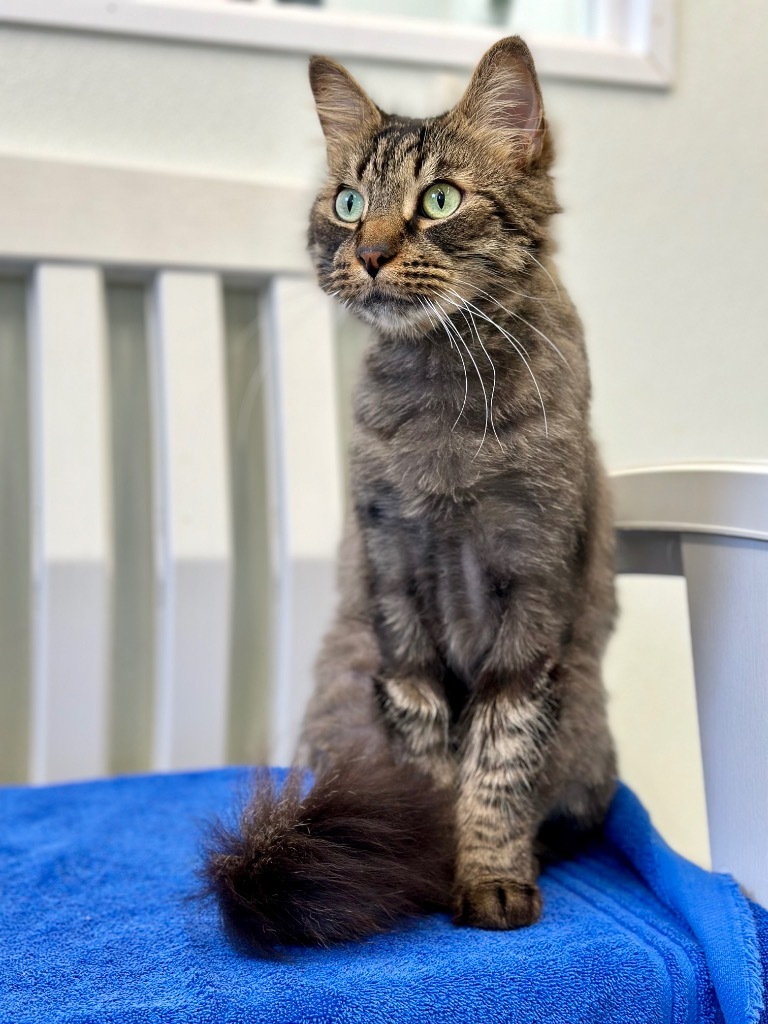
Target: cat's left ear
345 110
503 99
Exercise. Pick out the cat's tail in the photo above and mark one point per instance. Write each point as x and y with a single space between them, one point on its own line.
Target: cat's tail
369 844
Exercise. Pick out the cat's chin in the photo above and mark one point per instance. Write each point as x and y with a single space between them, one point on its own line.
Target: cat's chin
393 315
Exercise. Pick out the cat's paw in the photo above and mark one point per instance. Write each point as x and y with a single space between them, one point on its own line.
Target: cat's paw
498 904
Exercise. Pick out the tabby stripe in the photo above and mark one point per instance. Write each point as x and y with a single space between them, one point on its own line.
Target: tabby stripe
375 147
420 151
498 208
384 153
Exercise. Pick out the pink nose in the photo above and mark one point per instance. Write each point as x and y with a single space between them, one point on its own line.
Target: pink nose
373 258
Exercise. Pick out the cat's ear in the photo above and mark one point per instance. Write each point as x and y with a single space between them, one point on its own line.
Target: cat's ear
503 99
344 109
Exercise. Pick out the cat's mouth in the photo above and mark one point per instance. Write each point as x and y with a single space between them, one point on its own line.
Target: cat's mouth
385 300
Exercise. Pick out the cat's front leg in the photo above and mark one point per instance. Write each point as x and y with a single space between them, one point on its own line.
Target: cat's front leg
508 730
409 687
417 717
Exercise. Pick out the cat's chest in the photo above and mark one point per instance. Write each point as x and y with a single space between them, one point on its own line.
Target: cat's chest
434 572
419 431
436 471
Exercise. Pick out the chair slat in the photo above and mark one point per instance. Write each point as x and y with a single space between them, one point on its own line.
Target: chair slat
307 473
71 533
15 533
194 551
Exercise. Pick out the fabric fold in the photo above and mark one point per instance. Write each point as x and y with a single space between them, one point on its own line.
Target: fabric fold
711 904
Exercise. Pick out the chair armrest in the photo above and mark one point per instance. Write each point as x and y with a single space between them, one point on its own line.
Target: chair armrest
725 499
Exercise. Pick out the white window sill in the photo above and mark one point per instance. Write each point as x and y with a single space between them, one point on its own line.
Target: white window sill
644 56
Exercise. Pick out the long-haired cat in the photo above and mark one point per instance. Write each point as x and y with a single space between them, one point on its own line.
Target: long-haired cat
459 712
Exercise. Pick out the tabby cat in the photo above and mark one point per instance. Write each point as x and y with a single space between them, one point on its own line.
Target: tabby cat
459 713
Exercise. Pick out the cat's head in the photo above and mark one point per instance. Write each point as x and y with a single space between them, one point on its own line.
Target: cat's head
440 210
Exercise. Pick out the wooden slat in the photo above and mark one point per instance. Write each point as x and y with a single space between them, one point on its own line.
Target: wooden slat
193 540
71 524
308 508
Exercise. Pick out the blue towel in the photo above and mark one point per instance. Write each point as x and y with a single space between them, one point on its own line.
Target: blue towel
96 928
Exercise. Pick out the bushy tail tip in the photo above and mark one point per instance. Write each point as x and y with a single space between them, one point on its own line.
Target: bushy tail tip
370 844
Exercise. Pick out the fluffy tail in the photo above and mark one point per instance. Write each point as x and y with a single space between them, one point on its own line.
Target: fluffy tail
370 844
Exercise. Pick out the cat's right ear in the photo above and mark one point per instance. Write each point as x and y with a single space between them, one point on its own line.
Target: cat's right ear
344 109
503 101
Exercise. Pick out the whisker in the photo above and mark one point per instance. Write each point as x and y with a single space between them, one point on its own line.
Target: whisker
423 305
461 357
517 346
518 316
503 282
487 356
533 327
493 368
449 323
540 264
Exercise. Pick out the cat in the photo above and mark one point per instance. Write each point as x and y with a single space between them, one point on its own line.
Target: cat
459 713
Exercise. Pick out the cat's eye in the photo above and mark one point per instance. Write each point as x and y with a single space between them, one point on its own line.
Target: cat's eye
349 205
440 200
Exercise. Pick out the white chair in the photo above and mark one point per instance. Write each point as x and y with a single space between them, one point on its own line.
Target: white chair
709 523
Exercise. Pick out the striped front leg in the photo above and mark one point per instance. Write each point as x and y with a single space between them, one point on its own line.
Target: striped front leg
504 750
418 719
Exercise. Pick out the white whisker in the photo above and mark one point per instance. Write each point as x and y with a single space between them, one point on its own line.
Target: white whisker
517 346
487 356
449 324
520 317
461 357
503 282
540 264
493 388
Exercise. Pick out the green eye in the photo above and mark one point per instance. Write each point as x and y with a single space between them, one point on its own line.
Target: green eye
349 205
440 200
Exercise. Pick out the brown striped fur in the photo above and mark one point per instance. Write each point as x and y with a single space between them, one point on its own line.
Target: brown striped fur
476 581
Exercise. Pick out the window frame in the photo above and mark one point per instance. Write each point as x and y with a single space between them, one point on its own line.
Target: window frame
637 45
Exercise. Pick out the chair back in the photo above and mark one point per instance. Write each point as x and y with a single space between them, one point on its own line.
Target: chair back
168 376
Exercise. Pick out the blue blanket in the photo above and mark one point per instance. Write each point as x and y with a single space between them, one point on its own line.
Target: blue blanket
96 927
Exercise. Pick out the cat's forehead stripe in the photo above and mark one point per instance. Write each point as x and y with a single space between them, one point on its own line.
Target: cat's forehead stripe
420 151
375 147
391 145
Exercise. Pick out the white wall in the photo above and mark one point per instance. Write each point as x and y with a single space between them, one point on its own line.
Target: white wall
663 246
664 192
663 241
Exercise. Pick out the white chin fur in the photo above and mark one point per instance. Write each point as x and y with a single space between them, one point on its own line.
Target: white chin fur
393 321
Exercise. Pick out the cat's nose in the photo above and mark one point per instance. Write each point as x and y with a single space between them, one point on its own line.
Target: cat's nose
373 257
